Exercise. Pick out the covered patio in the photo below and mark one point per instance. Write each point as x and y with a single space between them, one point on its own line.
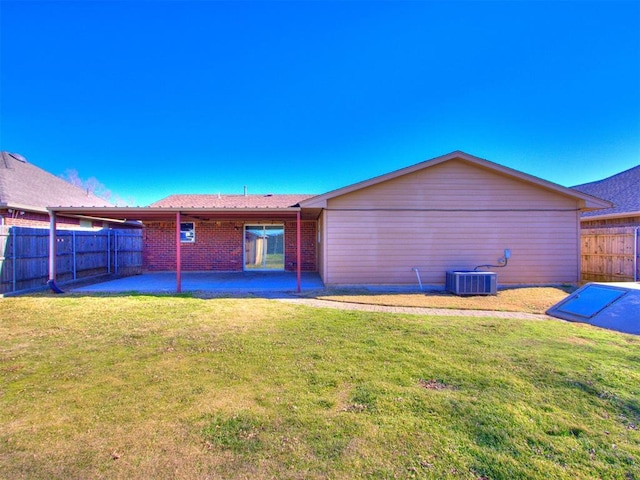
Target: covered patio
234 282
261 211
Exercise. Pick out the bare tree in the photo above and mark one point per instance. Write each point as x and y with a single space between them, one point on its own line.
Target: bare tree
71 176
96 187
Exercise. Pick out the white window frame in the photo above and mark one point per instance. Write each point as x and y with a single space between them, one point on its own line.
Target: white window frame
184 233
244 246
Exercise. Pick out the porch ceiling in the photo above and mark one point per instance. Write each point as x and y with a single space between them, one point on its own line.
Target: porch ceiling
169 213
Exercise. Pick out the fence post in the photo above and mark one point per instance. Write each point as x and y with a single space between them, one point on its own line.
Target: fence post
109 251
14 257
115 250
73 252
636 254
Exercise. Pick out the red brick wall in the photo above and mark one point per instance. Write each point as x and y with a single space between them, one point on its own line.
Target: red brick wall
218 246
308 231
36 220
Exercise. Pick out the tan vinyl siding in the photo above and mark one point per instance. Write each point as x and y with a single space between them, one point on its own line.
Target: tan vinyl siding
450 216
447 186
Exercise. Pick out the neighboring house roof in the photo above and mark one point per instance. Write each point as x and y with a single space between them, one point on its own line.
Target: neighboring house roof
589 202
27 187
230 201
622 189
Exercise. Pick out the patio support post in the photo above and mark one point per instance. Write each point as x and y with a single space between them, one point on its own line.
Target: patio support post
178 256
298 252
52 246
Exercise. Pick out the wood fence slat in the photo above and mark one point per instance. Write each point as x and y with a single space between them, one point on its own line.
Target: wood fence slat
608 254
24 255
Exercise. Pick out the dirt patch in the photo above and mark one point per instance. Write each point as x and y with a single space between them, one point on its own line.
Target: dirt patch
526 299
433 384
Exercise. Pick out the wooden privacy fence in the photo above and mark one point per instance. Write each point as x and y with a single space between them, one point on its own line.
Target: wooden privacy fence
610 254
24 255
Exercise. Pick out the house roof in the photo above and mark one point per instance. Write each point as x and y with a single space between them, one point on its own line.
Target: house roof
622 189
27 187
200 206
275 206
588 202
268 201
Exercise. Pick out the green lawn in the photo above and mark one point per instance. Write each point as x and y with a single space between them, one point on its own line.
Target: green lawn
273 261
180 387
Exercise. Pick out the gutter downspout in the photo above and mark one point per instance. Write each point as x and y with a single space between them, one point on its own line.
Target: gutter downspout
415 269
52 253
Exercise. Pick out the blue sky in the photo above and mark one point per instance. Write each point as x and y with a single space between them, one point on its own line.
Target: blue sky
161 97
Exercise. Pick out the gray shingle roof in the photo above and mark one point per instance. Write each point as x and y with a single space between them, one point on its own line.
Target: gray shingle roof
25 185
623 189
230 201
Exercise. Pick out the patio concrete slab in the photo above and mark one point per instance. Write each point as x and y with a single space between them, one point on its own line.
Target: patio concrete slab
161 282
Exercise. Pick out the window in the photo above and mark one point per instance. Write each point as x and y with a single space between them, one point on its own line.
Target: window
264 247
188 232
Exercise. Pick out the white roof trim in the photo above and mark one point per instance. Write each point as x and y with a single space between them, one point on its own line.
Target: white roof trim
26 208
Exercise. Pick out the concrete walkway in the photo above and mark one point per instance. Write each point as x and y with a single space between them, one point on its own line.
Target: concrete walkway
444 312
277 286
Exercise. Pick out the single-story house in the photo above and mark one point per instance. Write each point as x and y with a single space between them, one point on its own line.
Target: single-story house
623 191
27 190
452 212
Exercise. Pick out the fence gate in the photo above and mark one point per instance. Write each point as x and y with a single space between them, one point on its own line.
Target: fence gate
610 254
24 255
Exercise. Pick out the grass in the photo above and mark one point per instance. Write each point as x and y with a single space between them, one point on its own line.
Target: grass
273 261
180 387
530 300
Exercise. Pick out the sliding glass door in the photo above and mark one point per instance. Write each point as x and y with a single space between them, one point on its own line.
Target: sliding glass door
264 247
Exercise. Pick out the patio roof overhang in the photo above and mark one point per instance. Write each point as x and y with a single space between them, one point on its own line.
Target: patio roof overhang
177 214
169 213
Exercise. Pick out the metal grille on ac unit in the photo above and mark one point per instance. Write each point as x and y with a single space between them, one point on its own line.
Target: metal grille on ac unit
472 283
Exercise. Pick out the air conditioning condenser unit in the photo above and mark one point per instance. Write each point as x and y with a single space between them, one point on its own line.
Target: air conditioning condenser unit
471 282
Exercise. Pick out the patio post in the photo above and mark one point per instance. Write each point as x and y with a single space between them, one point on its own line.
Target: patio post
178 256
52 246
298 253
